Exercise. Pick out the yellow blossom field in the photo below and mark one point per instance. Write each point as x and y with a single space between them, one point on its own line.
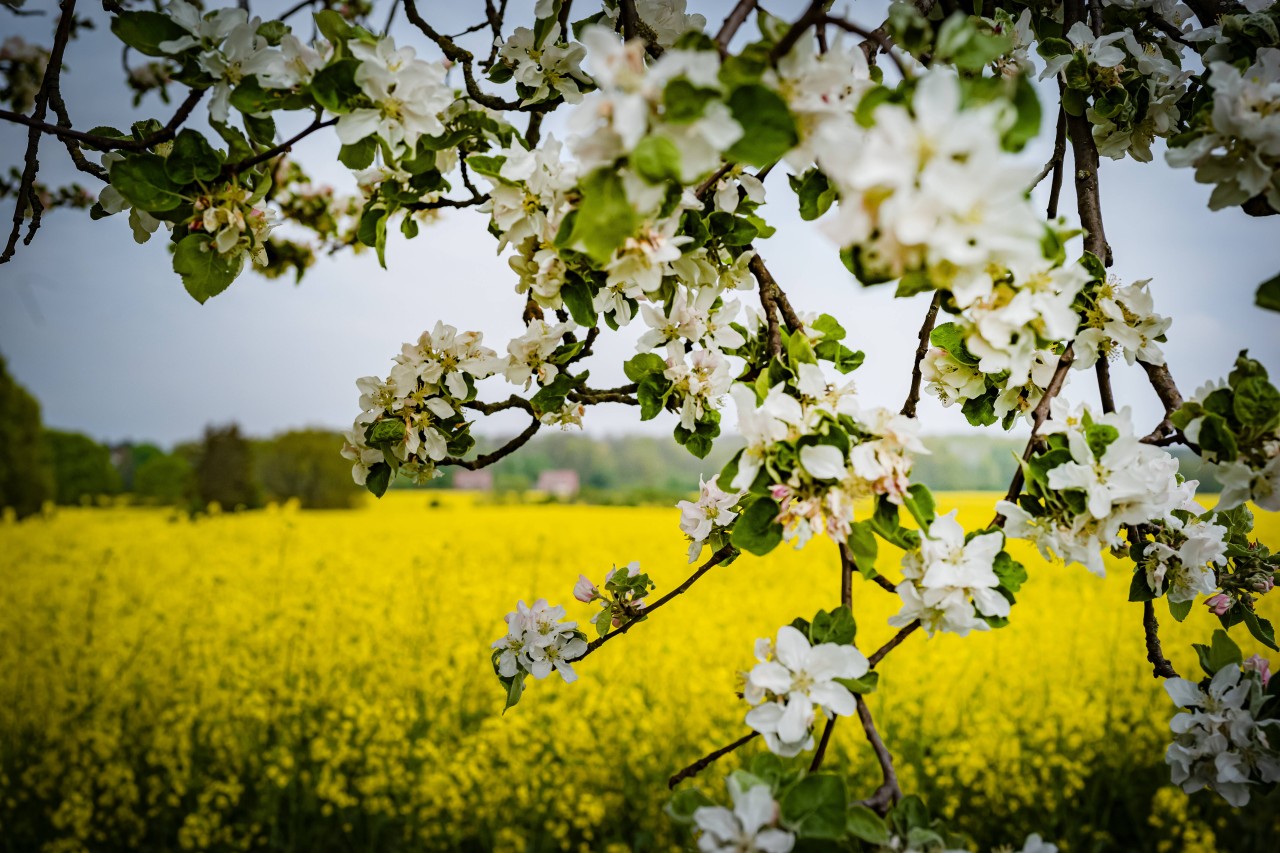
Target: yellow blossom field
321 681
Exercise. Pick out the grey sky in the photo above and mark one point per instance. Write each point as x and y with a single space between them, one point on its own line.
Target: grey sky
101 330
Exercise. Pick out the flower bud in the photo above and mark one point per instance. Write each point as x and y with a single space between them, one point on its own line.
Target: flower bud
1260 665
1264 583
1218 604
584 590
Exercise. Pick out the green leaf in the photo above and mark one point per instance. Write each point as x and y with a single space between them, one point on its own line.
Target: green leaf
862 545
815 807
387 431
358 155
1256 403
652 396
864 685
863 823
1260 628
1026 126
515 687
333 26
756 529
576 295
950 337
144 31
377 481
204 271
1179 610
641 366
833 626
550 398
605 216
919 502
657 159
334 87
1099 437
1011 573
799 351
815 193
1268 295
192 159
372 231
769 131
1139 589
731 230
1223 652
683 102
144 182
684 803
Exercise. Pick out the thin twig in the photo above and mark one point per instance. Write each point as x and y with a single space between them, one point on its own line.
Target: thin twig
110 143
878 36
894 641
703 763
1102 368
926 328
232 169
716 559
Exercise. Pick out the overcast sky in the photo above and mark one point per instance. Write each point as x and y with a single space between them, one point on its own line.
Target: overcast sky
102 331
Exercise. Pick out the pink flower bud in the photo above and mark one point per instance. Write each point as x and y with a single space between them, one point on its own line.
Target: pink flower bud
1264 584
584 590
1260 665
1218 604
779 491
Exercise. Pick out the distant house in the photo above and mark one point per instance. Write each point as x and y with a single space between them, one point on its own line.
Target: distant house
561 482
473 481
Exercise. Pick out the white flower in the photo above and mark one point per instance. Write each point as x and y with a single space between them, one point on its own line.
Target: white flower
762 426
714 508
545 68
748 827
1100 51
1241 483
949 579
537 642
408 96
666 19
823 462
802 678
528 354
950 379
1183 558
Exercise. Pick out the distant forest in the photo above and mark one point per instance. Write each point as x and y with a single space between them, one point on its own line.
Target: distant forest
633 468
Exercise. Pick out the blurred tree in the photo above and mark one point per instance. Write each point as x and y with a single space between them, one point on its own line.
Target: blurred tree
26 476
129 457
163 479
82 467
305 464
224 470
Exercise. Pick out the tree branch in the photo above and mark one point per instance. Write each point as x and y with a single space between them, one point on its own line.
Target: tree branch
732 23
716 559
888 793
1160 666
108 143
232 169
26 197
894 641
913 396
505 450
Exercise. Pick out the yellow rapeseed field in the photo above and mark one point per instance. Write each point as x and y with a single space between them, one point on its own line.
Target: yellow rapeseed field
321 681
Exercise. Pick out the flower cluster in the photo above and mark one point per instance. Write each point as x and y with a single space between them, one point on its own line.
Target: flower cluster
1118 319
1181 560
537 642
709 517
413 419
622 600
927 192
541 65
230 48
1093 478
954 583
1238 148
1225 740
24 65
792 682
815 452
405 97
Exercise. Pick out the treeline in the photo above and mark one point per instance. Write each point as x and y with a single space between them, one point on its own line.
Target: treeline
40 465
